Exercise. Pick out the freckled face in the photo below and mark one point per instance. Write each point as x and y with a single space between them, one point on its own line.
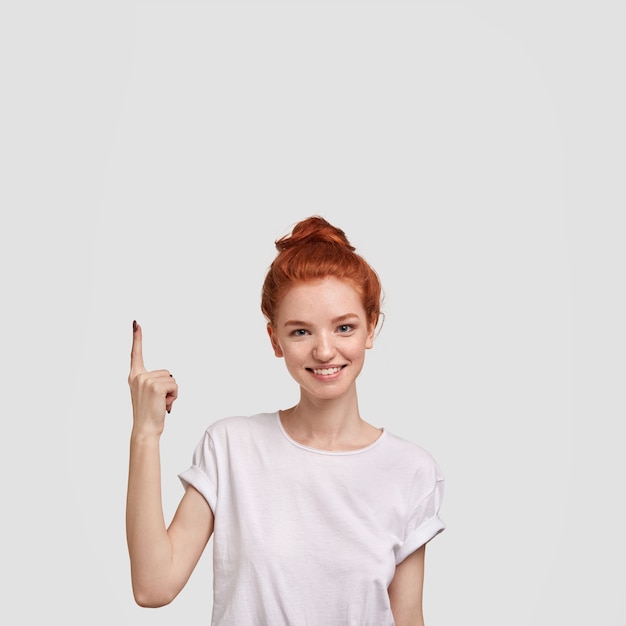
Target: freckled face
322 332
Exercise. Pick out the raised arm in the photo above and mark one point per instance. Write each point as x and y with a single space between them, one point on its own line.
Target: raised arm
161 558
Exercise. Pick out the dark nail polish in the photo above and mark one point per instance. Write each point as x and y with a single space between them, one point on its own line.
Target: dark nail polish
134 326
169 410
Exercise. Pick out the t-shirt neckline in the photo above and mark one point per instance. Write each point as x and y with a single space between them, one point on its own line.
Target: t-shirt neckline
327 452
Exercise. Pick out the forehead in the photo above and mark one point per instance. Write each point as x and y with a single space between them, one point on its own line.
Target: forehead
329 296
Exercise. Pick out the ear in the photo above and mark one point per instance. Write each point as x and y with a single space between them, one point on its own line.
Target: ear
275 346
369 342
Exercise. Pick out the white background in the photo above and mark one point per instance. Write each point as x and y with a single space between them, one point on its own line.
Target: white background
474 153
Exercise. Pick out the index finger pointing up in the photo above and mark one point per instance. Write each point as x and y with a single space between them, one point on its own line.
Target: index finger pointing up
136 354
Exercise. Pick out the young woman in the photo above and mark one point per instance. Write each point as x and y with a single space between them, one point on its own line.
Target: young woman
318 518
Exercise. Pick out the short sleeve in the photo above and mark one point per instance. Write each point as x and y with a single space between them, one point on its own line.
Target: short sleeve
423 521
203 474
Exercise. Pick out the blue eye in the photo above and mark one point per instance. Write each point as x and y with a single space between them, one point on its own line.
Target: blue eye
300 332
345 328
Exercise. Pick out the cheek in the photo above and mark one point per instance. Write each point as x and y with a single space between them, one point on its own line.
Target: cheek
293 353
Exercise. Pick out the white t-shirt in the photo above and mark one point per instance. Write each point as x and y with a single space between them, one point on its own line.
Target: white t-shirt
305 537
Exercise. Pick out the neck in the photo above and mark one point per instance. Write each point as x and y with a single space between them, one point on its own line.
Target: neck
328 424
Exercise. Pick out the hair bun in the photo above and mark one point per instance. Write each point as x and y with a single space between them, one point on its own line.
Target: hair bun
313 251
314 229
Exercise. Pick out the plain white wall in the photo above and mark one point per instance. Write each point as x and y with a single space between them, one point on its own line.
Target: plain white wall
151 153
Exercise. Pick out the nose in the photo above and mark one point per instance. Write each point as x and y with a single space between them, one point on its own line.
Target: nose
324 348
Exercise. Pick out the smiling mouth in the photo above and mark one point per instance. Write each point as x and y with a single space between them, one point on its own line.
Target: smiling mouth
326 371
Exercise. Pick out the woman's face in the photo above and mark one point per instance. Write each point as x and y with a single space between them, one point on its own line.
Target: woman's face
322 332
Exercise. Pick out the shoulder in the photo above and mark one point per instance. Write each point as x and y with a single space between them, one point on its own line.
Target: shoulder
413 456
237 426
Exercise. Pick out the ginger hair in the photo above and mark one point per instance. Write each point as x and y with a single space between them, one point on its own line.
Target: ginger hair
315 249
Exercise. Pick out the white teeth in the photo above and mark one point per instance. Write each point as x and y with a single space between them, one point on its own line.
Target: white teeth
326 372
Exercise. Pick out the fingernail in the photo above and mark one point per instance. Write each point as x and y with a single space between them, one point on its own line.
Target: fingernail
134 326
169 410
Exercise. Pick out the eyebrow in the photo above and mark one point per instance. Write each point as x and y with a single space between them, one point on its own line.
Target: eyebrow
335 320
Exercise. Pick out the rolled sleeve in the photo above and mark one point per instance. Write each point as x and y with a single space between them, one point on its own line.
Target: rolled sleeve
202 474
423 523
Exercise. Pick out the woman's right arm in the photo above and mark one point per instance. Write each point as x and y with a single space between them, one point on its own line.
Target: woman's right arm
161 558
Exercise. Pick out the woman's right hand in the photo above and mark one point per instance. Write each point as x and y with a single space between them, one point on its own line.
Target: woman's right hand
153 393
